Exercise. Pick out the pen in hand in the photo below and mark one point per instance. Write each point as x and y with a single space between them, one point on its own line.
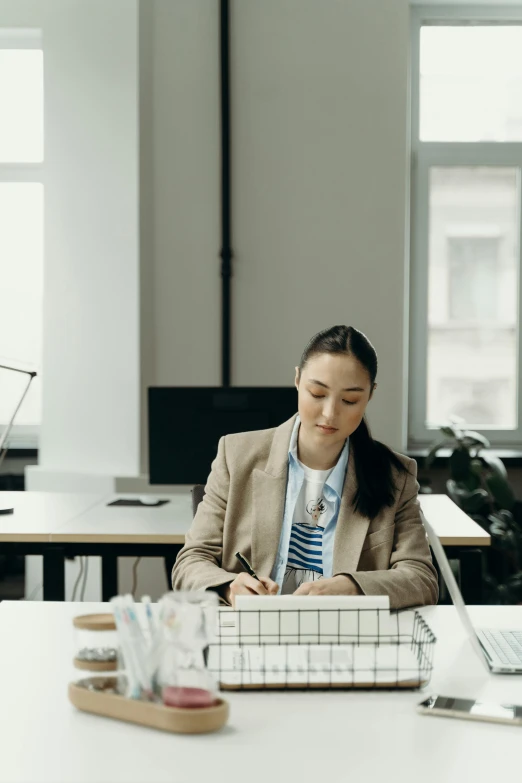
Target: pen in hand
246 565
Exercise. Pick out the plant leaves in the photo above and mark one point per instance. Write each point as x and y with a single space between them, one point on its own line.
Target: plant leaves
494 462
433 452
476 467
460 464
477 438
471 501
499 489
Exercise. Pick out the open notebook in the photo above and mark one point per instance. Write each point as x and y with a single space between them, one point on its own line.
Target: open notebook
313 641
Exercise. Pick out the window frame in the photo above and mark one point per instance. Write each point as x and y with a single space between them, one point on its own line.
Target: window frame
423 156
23 436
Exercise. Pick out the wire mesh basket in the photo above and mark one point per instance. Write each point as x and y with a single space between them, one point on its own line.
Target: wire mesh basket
322 648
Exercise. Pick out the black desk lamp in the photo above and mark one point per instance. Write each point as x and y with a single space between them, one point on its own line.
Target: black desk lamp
4 436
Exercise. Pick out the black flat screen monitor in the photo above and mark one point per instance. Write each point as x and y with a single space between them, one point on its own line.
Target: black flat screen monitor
186 423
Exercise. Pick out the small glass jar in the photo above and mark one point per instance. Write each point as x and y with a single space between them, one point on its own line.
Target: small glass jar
187 624
96 643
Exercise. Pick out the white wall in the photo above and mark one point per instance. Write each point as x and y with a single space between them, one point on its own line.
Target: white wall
320 140
185 161
320 173
90 427
320 136
91 356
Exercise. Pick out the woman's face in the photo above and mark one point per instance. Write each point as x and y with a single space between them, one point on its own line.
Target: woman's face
333 392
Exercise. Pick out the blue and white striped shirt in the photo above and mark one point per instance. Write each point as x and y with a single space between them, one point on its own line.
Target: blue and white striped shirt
306 547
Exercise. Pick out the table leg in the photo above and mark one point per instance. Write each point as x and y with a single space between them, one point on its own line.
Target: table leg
109 577
54 574
472 575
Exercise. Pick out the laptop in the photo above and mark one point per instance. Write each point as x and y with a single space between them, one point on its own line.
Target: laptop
500 650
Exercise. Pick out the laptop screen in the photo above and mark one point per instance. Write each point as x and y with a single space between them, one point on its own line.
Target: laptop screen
451 584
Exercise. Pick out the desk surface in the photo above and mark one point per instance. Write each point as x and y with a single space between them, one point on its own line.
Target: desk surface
168 524
451 524
371 735
38 514
106 524
50 516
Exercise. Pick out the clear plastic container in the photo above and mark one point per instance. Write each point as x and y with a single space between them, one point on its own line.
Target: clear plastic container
96 643
187 624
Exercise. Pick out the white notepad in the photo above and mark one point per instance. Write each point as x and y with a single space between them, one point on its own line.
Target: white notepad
294 602
311 619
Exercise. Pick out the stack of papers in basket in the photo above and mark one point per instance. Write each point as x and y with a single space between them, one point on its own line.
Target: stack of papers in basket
321 641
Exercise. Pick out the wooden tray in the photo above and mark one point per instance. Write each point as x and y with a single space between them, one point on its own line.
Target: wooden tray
157 716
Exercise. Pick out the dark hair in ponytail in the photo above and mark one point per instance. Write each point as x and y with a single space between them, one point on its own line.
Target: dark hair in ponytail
373 460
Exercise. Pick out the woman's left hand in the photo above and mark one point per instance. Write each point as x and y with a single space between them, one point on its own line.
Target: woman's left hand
335 585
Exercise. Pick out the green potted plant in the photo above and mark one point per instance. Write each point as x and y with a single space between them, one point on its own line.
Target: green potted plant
479 485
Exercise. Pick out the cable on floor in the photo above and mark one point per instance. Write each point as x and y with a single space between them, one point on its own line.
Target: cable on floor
77 580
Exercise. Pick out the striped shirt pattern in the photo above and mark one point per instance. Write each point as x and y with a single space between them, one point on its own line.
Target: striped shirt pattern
306 547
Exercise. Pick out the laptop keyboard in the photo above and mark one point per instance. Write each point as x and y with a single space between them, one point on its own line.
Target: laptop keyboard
506 644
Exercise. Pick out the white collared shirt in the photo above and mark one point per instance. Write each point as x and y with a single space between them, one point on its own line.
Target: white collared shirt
331 495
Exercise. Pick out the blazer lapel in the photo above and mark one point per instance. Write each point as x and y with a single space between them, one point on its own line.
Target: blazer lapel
351 528
269 492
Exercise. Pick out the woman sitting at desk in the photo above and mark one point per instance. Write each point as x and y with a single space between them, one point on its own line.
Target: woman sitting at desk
316 505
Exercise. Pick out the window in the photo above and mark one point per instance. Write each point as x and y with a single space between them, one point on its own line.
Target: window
473 278
466 224
21 227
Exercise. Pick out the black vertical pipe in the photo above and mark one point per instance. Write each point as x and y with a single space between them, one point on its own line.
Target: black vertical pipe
226 249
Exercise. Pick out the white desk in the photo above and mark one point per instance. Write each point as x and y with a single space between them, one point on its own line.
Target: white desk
451 524
67 517
144 525
37 515
28 530
463 540
168 524
362 736
57 525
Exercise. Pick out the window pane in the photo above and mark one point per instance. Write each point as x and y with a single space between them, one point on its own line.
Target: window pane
471 83
21 284
21 105
472 296
473 278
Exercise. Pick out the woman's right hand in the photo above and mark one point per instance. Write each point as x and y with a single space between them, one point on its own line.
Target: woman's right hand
244 584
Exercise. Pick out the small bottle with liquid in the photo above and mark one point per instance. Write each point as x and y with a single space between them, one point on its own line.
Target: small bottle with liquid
187 625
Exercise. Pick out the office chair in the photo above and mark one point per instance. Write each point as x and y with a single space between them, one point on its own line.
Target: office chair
197 496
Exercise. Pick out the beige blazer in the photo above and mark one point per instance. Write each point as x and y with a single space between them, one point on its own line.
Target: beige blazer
243 511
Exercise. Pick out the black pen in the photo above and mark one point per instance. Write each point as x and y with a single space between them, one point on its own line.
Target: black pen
246 565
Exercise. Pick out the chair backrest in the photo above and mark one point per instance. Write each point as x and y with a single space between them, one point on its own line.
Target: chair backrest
197 496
